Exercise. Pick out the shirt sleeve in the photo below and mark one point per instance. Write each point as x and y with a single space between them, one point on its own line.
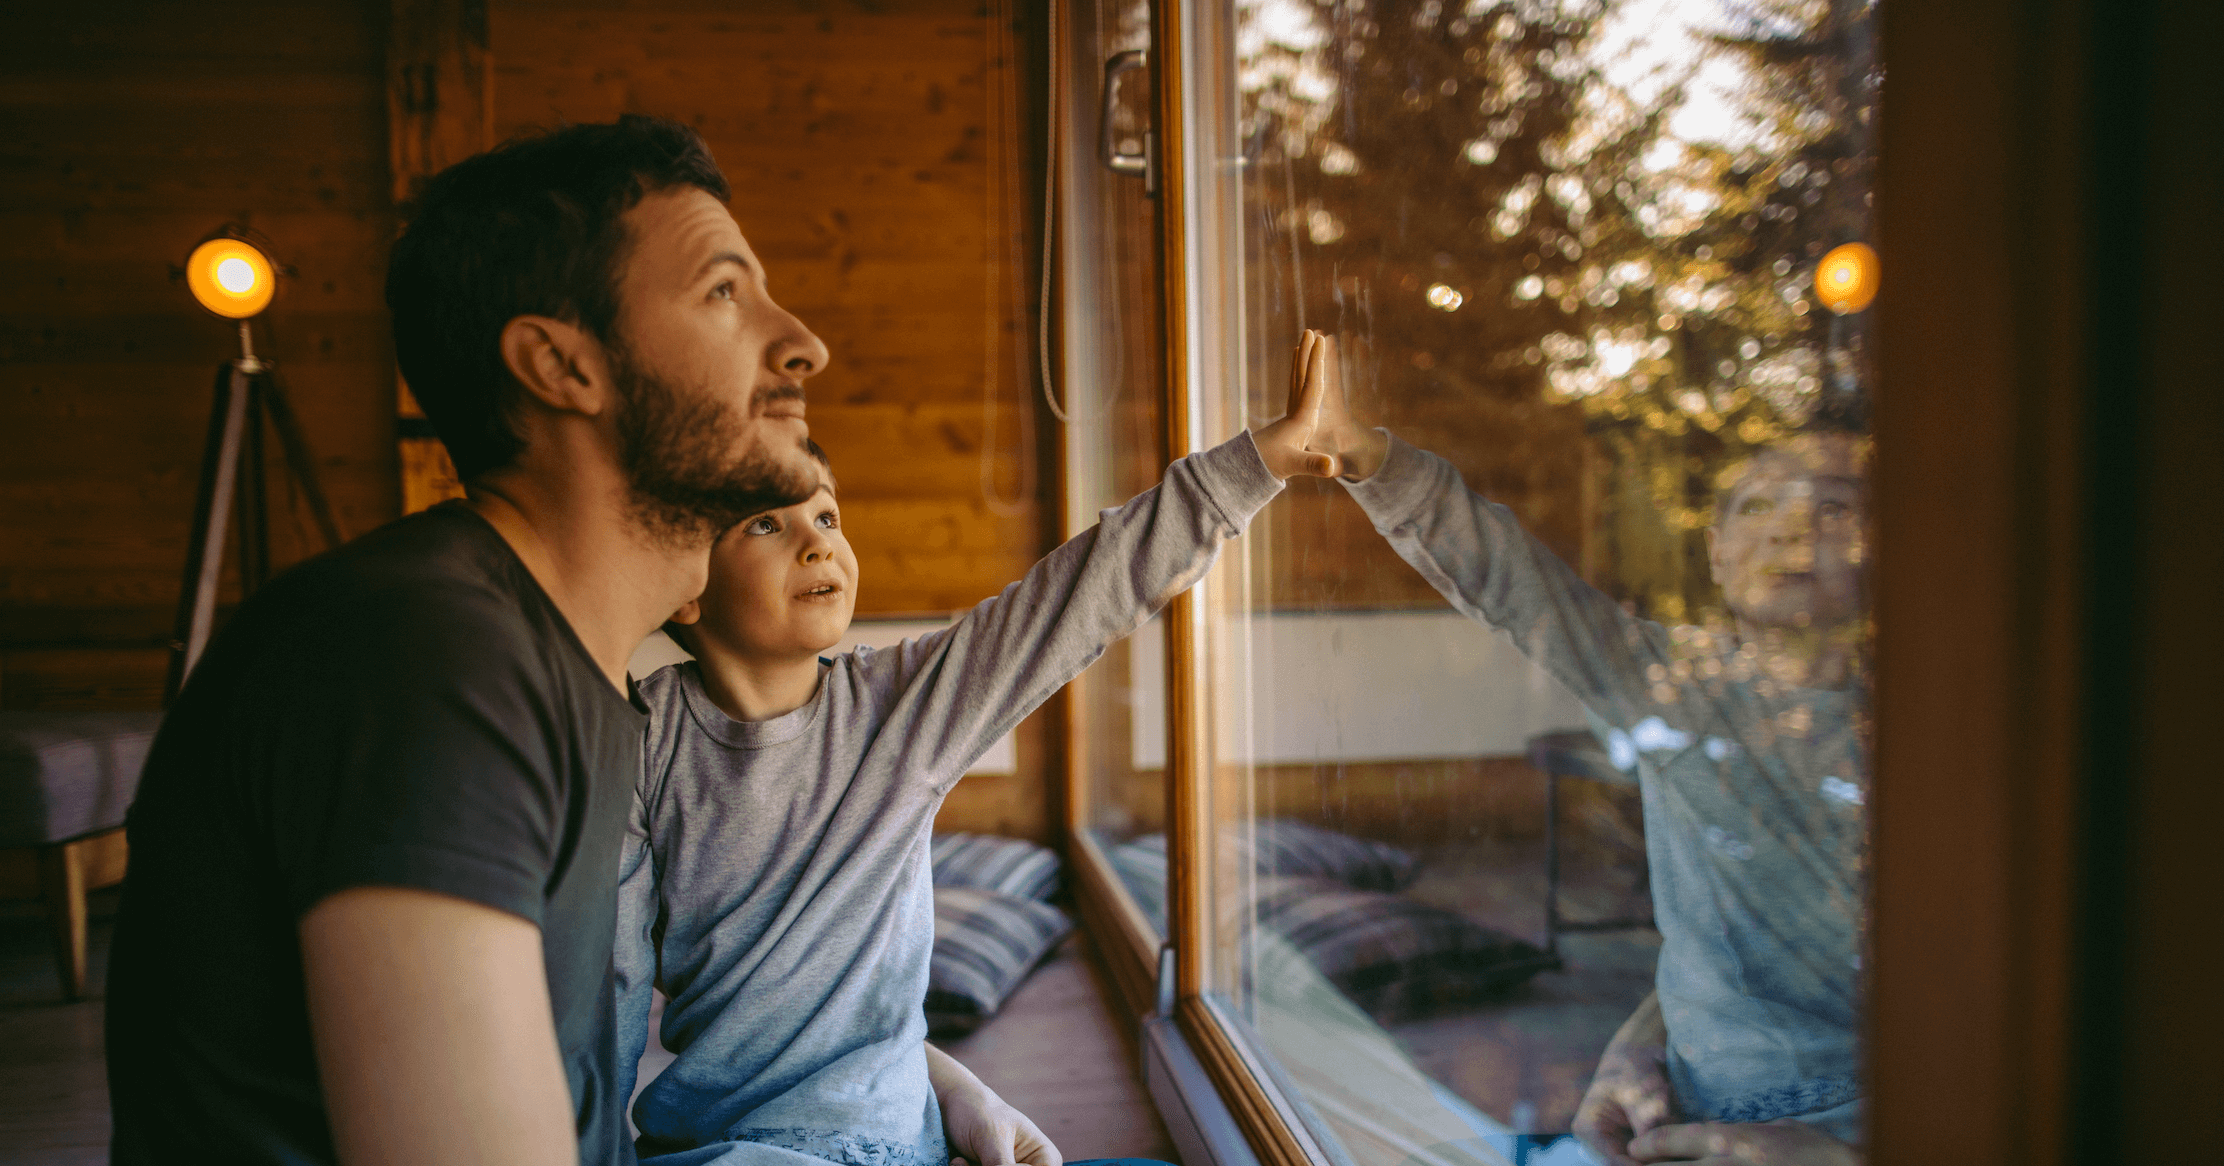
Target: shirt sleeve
1476 555
959 689
413 747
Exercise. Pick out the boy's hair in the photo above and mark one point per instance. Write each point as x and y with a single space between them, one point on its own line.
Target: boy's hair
532 227
1733 474
682 633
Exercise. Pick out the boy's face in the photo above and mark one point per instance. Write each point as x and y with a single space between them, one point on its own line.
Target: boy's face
1787 549
782 584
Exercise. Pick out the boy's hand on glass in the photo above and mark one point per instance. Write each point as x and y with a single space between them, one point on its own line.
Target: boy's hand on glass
1289 446
1776 1143
1320 420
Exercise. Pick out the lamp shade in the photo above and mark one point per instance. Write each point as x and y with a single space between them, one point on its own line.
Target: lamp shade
230 277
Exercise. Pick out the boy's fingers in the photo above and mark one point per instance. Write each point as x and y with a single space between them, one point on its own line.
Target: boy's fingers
1300 367
1324 466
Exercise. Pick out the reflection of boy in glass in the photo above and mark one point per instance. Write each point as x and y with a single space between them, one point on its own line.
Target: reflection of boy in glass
1753 777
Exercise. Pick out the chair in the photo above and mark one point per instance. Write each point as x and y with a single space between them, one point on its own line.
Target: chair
1570 753
66 779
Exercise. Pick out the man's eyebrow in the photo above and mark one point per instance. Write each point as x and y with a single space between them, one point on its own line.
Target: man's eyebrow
734 257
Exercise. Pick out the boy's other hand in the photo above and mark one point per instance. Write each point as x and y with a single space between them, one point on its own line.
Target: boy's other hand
984 1130
1318 436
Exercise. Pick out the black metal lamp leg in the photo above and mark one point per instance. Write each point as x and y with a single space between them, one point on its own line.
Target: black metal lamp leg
212 508
298 457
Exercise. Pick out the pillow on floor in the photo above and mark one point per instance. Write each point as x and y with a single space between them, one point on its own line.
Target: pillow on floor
986 862
1297 849
1398 958
1292 849
984 945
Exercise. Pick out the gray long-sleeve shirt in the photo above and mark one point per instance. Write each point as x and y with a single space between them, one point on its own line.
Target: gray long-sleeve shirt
776 880
1753 794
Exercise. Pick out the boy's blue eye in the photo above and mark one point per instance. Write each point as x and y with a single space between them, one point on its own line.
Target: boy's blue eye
830 520
762 524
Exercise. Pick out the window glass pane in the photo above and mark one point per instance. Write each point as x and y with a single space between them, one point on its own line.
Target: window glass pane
1591 736
1113 376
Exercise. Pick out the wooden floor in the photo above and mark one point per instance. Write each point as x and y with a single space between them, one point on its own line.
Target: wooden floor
1055 1053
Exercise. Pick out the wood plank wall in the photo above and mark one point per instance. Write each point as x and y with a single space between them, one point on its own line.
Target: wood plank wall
877 177
127 133
872 149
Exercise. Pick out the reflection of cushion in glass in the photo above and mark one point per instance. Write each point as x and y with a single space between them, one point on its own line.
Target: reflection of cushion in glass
986 862
1293 848
1290 848
984 945
1398 958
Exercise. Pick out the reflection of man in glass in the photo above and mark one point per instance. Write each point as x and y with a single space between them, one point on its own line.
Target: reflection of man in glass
1745 744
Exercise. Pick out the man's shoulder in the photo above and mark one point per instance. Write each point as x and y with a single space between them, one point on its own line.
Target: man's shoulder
440 589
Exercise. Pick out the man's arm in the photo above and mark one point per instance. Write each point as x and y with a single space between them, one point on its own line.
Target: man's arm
982 1128
434 1035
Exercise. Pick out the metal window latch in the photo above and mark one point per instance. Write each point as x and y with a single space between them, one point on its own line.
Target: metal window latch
1165 979
1108 151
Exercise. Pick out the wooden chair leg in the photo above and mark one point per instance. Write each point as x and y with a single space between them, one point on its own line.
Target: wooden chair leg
62 884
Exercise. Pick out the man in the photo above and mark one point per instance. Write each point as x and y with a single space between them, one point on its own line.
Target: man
1745 740
371 903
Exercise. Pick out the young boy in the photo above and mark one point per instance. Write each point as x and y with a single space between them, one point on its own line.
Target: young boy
778 886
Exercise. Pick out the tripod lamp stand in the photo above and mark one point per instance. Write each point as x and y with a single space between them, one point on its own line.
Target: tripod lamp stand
231 275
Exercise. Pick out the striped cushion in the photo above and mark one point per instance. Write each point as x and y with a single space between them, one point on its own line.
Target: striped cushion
1396 957
984 945
985 862
1300 849
1293 849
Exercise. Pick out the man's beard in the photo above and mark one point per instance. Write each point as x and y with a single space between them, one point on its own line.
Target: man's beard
684 482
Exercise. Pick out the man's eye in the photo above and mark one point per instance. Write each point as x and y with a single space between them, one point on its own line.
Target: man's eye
1833 510
724 290
1756 506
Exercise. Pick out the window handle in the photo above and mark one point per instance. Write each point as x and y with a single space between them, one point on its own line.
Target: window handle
1108 152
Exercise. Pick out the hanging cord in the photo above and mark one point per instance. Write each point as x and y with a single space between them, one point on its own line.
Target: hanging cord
1051 163
1001 101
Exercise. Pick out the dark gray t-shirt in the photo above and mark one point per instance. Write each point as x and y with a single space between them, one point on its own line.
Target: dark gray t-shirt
410 711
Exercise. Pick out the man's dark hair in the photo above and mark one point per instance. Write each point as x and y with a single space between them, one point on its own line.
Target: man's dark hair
530 228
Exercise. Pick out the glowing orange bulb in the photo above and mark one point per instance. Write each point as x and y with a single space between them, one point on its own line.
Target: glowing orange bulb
230 278
1846 279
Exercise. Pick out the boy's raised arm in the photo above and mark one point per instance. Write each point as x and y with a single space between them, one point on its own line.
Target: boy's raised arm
961 688
1475 553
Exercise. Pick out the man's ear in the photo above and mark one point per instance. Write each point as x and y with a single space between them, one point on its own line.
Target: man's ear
1714 558
558 363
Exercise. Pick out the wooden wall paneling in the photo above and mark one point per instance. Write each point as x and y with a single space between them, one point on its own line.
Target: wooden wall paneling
439 111
125 141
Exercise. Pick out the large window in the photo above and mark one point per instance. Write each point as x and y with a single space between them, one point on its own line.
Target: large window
1579 747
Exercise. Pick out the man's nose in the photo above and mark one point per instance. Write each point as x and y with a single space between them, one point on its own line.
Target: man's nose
799 353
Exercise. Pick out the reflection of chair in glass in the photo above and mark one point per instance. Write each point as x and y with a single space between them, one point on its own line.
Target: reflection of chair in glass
1574 753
